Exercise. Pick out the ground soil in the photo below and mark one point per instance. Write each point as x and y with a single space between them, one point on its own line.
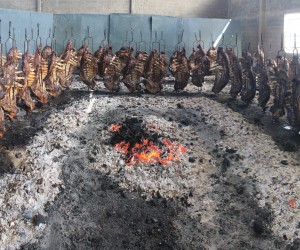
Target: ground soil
93 212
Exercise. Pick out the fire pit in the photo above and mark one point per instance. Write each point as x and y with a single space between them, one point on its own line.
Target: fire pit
141 143
187 150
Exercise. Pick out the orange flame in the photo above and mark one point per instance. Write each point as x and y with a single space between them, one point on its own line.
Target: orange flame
146 152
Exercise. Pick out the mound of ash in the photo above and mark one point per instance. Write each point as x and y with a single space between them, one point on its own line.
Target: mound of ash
140 143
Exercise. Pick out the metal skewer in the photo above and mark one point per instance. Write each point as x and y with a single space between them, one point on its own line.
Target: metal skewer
155 43
142 46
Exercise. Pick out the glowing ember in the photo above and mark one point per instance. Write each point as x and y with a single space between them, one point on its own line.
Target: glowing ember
115 128
144 146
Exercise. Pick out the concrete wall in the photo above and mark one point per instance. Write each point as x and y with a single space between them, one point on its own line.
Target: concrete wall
248 13
29 5
262 16
88 6
274 20
191 8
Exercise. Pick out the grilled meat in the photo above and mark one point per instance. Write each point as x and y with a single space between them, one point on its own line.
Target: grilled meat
10 84
199 64
281 88
235 73
2 123
264 89
222 75
51 80
155 70
38 87
249 84
88 68
70 62
136 71
179 67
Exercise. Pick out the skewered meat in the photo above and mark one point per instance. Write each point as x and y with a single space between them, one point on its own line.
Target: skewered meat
88 68
127 73
281 88
222 76
80 52
235 73
214 67
293 94
249 83
51 80
9 82
155 70
101 54
29 72
45 61
112 74
2 62
179 67
119 66
9 102
199 64
258 61
69 61
29 77
125 56
104 60
26 100
38 87
136 71
264 90
2 123
296 102
271 68
2 90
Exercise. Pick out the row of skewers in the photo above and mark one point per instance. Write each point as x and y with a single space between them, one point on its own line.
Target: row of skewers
275 82
45 74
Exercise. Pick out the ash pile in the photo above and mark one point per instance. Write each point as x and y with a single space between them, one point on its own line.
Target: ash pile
186 148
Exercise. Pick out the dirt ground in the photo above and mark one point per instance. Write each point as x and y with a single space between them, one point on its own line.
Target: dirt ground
94 211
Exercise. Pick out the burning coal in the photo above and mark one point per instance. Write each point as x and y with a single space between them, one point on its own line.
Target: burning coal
142 144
